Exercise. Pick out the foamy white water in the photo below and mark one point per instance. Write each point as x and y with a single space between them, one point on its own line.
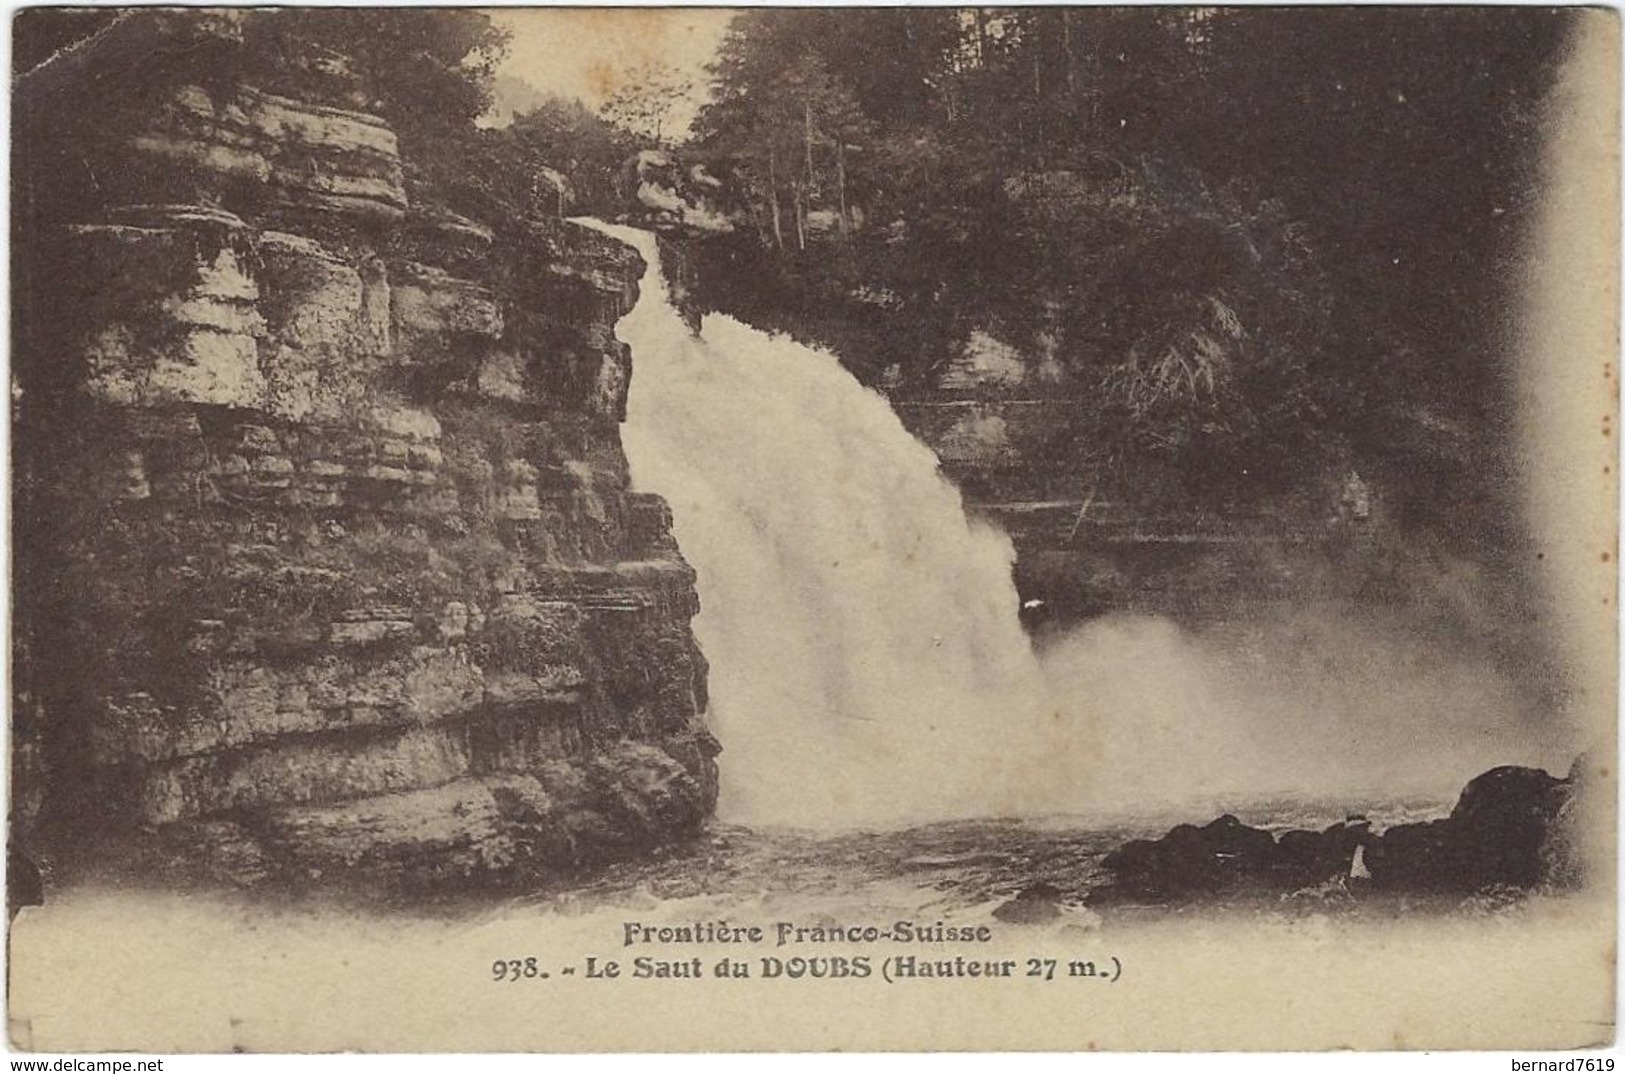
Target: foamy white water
868 666
867 662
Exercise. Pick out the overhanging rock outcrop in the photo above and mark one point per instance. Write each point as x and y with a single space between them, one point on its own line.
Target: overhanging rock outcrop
327 561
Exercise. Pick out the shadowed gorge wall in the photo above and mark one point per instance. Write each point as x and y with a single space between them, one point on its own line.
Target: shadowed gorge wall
326 559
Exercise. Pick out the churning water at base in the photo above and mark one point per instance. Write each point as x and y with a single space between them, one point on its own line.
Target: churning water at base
867 662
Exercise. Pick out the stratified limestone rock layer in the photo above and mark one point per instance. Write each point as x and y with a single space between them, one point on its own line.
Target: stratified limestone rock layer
328 561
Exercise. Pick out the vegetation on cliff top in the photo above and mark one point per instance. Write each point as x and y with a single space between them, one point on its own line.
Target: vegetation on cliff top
1258 247
430 72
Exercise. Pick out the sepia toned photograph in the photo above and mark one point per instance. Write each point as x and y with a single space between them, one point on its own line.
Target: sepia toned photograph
813 529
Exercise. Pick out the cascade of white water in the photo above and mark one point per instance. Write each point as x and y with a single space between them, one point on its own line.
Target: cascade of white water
868 666
867 663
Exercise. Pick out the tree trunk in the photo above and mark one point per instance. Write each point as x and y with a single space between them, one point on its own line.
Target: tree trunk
920 62
758 223
840 182
1066 48
806 119
801 217
773 195
1038 111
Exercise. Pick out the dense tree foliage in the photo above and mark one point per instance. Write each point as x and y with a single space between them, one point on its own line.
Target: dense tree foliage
1260 245
426 70
645 103
556 159
430 72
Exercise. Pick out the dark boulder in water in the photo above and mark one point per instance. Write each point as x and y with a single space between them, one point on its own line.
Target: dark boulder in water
1303 859
1512 829
1221 858
1493 837
1035 904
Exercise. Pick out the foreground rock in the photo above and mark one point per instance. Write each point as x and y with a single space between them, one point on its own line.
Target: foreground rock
1512 829
329 564
1493 837
1036 904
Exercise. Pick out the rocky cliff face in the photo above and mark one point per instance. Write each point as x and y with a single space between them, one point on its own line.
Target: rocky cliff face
1086 544
326 556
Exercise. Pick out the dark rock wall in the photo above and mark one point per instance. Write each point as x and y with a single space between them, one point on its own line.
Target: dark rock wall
326 558
1084 548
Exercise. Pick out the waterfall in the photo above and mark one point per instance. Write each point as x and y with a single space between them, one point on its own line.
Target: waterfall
868 667
867 663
